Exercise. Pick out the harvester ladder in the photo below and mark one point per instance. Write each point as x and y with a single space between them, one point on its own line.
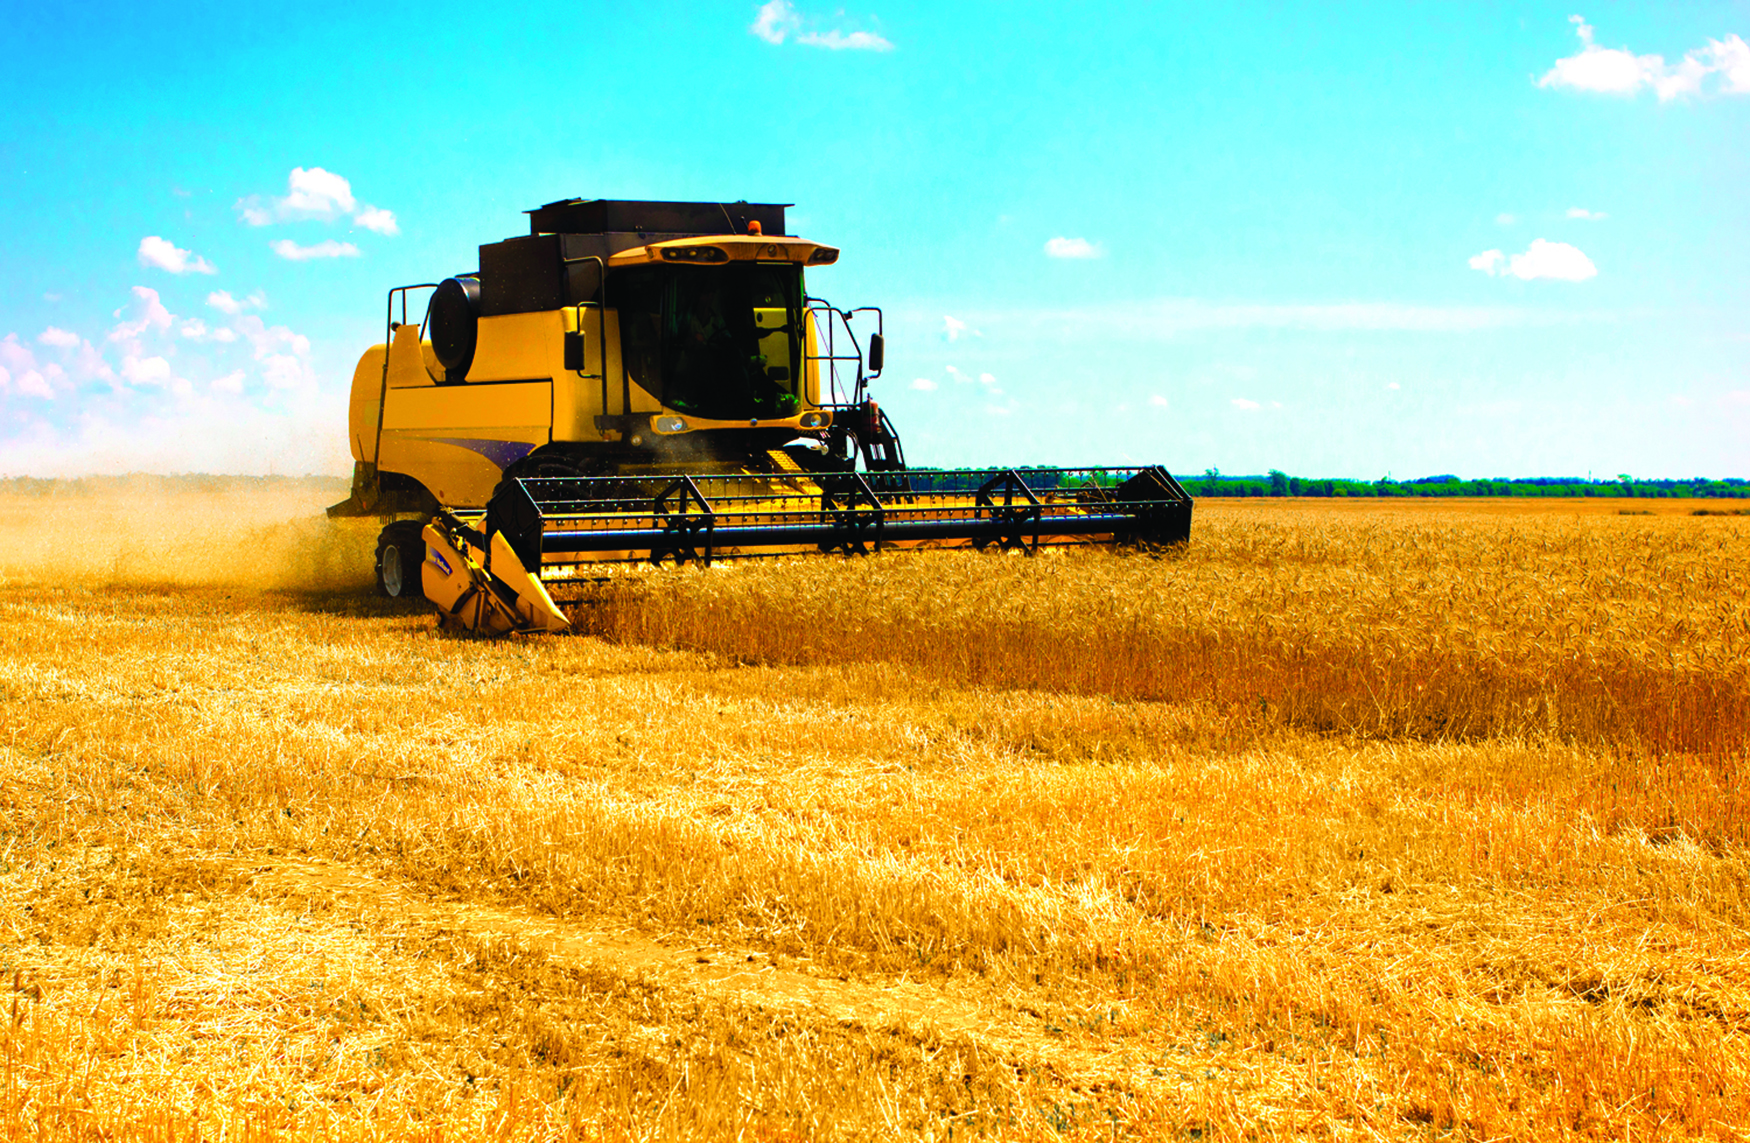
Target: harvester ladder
383 389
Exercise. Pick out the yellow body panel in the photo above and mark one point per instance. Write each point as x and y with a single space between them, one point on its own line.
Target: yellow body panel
577 396
735 248
519 347
775 345
456 439
361 418
522 405
412 362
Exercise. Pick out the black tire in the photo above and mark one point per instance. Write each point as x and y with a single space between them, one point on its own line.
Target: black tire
400 552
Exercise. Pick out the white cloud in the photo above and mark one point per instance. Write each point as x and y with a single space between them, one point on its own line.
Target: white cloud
1243 404
327 248
283 354
222 301
33 384
283 371
1684 79
1505 219
1159 401
1618 71
156 251
145 370
924 385
377 219
250 406
1072 248
959 377
88 365
775 20
15 355
19 373
986 379
1487 261
1542 259
1731 58
836 40
1589 215
952 327
1552 260
1601 69
153 315
271 339
315 193
778 20
1393 386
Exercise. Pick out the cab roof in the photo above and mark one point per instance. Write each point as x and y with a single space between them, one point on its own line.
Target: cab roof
639 216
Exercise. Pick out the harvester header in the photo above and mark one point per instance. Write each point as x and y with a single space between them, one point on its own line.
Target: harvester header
654 381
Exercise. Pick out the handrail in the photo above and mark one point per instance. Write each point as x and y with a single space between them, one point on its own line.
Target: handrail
814 305
383 389
601 311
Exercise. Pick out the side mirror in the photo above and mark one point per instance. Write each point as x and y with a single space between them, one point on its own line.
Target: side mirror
877 352
574 351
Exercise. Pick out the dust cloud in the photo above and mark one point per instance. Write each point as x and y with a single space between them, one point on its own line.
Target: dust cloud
255 532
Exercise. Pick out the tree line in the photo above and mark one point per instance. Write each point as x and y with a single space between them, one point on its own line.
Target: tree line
1279 483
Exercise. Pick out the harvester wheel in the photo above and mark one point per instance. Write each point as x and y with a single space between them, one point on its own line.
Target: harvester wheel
400 552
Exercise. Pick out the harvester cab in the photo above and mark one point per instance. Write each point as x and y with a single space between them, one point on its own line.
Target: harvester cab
653 380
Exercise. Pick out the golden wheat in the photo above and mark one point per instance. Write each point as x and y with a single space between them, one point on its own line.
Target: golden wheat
1341 821
1634 636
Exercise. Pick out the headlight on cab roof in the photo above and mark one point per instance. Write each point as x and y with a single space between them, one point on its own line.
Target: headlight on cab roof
815 420
694 254
669 424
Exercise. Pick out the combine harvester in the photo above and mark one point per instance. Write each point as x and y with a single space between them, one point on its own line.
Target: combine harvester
652 381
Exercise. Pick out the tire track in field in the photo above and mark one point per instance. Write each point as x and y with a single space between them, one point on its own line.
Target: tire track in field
747 977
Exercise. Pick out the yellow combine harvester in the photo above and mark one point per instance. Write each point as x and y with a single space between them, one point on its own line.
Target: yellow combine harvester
650 381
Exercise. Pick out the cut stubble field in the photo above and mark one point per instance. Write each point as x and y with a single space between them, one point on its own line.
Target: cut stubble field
1408 820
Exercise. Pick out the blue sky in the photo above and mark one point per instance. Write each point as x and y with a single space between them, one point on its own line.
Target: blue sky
1481 239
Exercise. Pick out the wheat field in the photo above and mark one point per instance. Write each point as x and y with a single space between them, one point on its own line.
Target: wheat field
1406 820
